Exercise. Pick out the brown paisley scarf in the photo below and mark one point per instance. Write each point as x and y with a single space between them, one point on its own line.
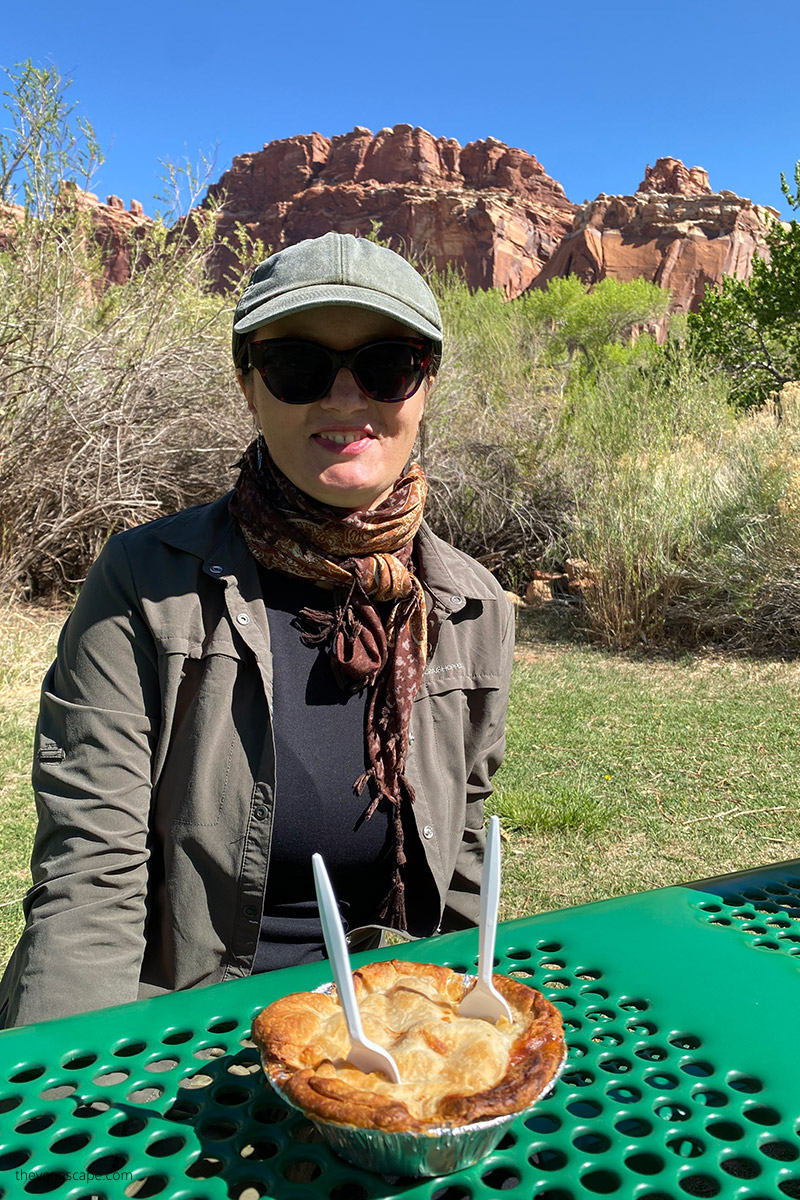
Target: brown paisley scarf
366 557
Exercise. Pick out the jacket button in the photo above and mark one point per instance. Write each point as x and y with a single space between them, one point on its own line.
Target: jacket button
457 601
250 910
216 569
243 618
259 812
427 831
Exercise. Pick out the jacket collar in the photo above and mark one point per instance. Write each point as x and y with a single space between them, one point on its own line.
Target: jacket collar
211 533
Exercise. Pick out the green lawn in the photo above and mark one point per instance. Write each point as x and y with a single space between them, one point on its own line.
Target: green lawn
620 774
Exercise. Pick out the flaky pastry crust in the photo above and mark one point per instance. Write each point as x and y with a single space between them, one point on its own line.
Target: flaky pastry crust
454 1070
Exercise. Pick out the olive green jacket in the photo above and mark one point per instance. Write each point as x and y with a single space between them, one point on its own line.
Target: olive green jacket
154 765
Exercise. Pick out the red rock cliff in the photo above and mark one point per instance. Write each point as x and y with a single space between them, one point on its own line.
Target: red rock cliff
674 231
487 207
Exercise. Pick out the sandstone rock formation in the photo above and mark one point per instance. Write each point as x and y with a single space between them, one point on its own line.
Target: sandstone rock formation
487 207
683 239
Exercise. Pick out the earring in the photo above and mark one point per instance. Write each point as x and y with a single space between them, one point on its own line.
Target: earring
259 459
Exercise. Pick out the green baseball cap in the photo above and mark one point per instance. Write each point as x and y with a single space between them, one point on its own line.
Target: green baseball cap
337 268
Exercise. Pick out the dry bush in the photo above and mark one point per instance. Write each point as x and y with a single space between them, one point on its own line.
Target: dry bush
118 405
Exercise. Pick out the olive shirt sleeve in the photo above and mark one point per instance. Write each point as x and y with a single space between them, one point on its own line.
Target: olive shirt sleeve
83 943
462 904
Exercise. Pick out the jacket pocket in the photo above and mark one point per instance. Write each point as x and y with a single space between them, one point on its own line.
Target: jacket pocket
203 737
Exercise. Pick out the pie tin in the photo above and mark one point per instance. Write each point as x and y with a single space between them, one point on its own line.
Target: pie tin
439 1151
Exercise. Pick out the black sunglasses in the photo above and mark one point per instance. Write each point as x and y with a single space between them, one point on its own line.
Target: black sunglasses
299 372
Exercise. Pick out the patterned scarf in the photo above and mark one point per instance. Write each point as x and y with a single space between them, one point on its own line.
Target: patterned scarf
366 557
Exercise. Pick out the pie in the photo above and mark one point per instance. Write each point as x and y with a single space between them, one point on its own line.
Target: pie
454 1070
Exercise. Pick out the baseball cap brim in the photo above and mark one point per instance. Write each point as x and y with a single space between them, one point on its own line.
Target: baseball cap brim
321 295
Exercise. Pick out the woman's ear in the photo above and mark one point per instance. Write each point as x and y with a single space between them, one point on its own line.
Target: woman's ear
245 383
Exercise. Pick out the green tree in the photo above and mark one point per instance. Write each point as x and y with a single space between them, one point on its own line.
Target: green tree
45 144
751 329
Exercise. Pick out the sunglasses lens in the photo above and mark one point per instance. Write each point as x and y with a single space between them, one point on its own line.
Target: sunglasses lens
300 372
390 370
296 372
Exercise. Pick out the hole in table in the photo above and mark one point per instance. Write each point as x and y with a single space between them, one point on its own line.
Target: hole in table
270 1114
259 1149
350 1190
107 1164
176 1037
302 1170
59 1091
699 1185
631 1004
164 1146
205 1052
27 1074
651 1053
181 1110
519 953
709 1097
576 1050
48 1181
94 1108
662 1081
741 1168
551 1194
13 1158
548 947
696 1067
544 1123
745 1083
78 1062
726 1131
685 1147
556 983
780 1150
615 1066
672 1112
591 1143
8 1103
161 1064
607 1039
199 1080
216 1130
145 1095
250 1189
245 1063
128 1049
602 1183
128 1127
578 1079
761 1114
623 1094
109 1078
684 1041
71 1143
231 1096
640 1027
547 1160
223 1025
791 1188
35 1124
633 1127
146 1186
451 1191
644 1164
507 1141
599 1014
587 1110
204 1167
501 1179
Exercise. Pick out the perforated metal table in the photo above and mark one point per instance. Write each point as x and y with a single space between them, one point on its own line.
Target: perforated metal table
682 1013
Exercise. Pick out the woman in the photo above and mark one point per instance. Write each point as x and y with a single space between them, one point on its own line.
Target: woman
301 665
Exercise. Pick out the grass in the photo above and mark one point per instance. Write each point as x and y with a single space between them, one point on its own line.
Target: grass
625 773
621 773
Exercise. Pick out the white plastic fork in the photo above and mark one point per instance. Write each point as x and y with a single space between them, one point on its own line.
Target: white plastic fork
483 1000
364 1054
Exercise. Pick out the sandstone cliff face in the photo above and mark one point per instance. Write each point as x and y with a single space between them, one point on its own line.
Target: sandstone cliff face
681 239
489 208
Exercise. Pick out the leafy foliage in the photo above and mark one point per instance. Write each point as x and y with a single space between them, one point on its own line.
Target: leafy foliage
751 329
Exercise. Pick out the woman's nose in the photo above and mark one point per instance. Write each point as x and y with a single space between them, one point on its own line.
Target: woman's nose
345 393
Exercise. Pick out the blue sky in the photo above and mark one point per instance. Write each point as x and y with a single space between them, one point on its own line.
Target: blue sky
595 91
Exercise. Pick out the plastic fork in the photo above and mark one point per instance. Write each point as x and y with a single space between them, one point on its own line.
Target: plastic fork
364 1054
483 1000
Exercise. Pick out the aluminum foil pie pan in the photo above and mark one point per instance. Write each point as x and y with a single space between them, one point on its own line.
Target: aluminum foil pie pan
439 1151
